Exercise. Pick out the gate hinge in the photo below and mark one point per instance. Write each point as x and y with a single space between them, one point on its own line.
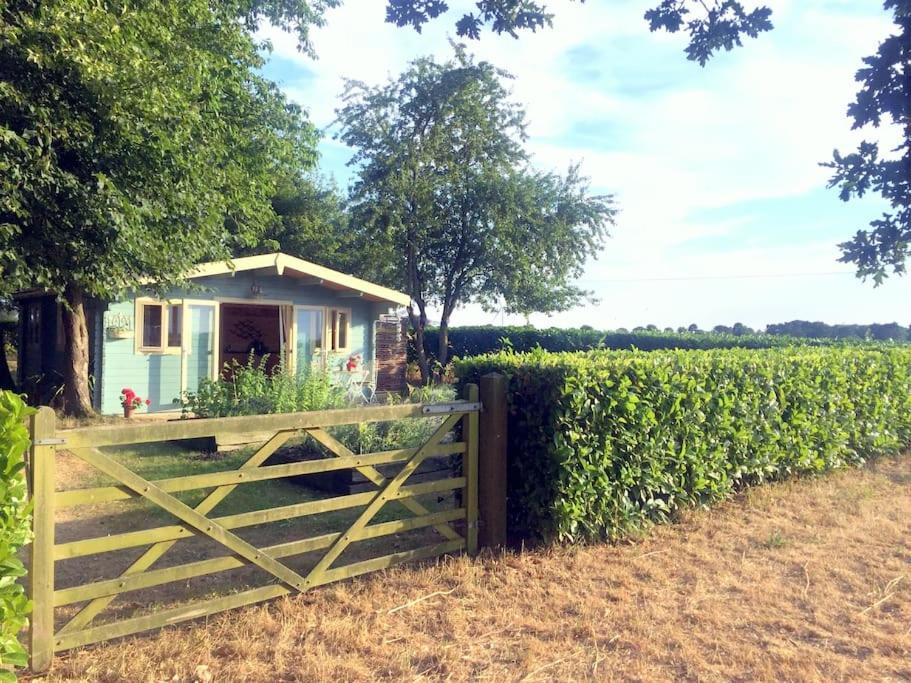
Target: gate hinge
474 525
48 442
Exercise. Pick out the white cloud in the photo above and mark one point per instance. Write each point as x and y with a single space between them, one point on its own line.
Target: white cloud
754 124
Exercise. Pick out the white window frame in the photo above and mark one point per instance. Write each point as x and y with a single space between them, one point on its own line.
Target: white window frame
332 329
163 348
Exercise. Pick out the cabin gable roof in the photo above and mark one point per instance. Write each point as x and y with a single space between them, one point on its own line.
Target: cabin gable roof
309 274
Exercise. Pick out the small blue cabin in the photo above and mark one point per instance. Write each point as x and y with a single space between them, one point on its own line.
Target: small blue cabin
273 306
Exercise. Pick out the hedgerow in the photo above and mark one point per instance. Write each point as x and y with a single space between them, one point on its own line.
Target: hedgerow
474 341
15 530
605 442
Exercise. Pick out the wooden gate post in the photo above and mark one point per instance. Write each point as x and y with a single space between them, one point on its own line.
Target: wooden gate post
471 472
41 584
492 465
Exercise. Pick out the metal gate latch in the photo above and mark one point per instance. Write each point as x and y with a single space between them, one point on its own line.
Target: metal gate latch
456 407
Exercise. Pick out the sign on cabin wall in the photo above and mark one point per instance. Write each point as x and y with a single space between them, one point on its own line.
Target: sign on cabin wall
118 325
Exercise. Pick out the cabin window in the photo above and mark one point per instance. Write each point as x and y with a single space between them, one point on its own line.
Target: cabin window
339 328
175 325
160 326
311 329
152 315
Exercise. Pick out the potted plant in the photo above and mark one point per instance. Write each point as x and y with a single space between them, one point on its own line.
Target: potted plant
119 333
354 360
130 401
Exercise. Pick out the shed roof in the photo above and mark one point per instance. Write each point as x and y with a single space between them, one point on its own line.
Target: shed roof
309 273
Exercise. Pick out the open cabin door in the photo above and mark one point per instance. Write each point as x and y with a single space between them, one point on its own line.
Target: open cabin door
199 350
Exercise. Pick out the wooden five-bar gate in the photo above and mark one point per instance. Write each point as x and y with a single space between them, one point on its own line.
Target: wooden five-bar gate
457 528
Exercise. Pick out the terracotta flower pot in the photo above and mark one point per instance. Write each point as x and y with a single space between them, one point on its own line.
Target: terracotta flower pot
128 411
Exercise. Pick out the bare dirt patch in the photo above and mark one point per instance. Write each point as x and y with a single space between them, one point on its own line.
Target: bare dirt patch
808 580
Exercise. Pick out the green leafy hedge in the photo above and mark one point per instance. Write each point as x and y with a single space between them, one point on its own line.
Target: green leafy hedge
15 529
474 341
604 442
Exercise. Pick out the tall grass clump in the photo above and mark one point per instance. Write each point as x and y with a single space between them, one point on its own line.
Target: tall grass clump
15 530
250 389
407 432
602 443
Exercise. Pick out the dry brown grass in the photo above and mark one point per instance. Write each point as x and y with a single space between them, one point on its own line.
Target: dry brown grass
801 581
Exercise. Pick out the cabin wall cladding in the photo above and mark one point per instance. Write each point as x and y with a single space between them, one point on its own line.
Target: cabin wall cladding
391 348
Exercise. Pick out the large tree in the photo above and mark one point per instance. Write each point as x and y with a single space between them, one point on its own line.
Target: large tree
311 223
135 138
446 205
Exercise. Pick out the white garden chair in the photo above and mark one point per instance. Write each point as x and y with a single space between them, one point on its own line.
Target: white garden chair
359 386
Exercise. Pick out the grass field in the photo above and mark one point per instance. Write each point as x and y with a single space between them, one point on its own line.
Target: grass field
807 580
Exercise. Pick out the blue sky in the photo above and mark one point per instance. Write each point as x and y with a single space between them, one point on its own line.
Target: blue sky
725 215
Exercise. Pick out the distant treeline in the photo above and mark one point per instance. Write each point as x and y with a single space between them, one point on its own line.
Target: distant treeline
803 329
816 330
473 341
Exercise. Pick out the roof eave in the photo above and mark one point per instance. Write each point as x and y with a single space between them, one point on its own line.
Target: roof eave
283 262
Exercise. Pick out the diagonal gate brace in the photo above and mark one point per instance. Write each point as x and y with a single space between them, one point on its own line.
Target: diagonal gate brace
339 449
379 500
198 521
85 616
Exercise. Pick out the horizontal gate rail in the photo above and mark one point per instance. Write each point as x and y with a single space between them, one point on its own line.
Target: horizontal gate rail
272 432
385 494
190 570
169 617
370 473
152 554
95 437
107 494
198 521
132 539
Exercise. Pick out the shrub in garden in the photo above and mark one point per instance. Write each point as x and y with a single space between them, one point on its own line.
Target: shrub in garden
15 529
130 400
604 442
372 437
409 432
249 389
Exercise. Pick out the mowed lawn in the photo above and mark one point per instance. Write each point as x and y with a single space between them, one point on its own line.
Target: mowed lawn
808 580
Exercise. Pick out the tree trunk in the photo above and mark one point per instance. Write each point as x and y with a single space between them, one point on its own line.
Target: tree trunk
418 322
443 348
6 377
77 396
